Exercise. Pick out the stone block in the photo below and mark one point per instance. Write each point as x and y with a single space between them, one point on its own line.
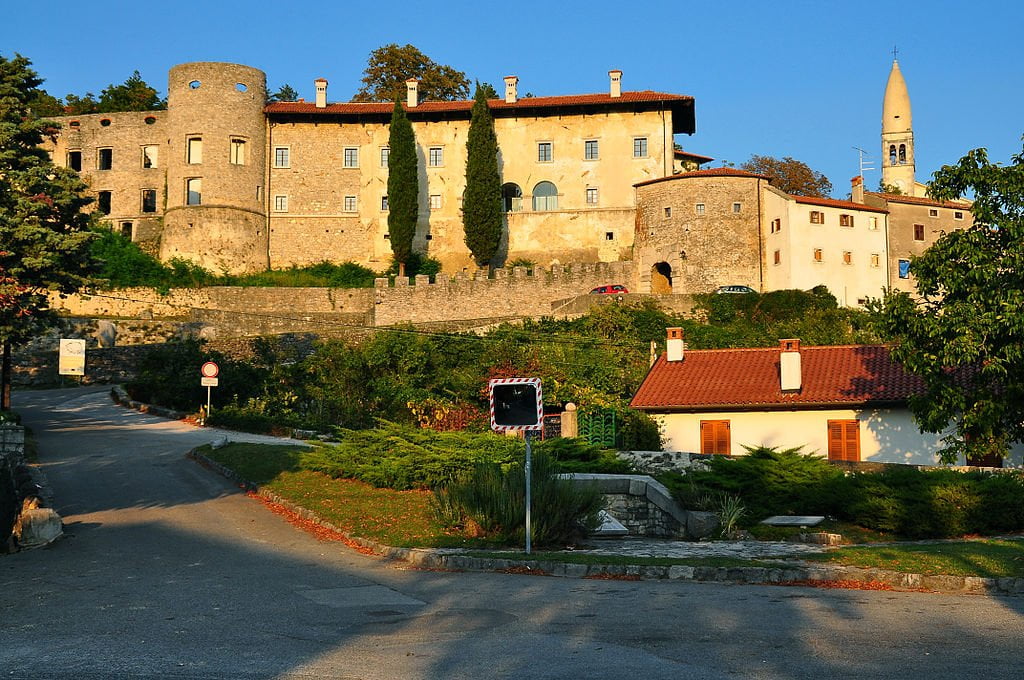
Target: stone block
37 527
701 524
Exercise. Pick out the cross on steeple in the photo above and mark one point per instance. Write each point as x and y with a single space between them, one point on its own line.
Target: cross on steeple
894 51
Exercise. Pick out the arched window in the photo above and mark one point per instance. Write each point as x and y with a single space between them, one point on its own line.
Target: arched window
903 154
512 197
892 154
545 196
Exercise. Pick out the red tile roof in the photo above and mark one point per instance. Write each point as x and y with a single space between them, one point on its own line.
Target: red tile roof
709 172
748 379
834 203
679 153
921 200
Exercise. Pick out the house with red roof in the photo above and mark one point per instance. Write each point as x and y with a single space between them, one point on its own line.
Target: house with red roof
847 402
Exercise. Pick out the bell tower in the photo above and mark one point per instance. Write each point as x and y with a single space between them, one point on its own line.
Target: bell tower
897 133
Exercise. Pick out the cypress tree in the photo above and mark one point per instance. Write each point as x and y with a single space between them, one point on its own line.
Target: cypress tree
481 205
403 187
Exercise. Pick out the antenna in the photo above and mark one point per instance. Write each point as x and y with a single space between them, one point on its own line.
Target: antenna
864 160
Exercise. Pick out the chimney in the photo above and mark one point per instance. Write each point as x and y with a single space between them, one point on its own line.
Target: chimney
412 93
674 344
615 84
321 92
789 365
511 89
857 189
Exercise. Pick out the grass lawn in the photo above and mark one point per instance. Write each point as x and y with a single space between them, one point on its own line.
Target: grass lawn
990 558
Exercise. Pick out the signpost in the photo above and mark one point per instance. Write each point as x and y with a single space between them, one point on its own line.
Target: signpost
209 373
71 360
517 406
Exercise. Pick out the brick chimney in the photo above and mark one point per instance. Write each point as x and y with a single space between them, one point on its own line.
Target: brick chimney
790 379
857 189
412 93
511 89
321 92
674 345
615 84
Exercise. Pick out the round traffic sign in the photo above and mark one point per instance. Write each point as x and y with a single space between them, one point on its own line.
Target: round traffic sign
209 370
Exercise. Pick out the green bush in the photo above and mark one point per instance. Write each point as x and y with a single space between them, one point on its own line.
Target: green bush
577 455
494 497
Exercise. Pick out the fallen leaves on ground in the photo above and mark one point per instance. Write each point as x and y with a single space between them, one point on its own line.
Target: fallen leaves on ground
321 532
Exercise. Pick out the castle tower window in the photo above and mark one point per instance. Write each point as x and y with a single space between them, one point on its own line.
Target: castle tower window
545 196
892 154
737 207
75 160
668 212
237 151
149 156
351 157
590 150
104 159
435 157
385 156
194 191
512 197
699 208
639 147
103 202
350 204
282 157
194 150
903 154
591 195
545 152
280 203
149 200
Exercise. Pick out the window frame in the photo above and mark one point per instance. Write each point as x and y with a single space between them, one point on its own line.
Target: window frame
591 150
640 147
700 209
919 233
545 148
901 265
591 196
840 444
142 201
846 220
154 161
71 165
384 207
777 257
194 150
277 163
236 145
435 202
716 435
279 203
346 201
819 255
350 157
104 201
189 191
737 207
105 153
817 217
385 157
435 156
550 200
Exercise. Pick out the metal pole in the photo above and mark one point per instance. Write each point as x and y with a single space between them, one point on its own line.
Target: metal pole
208 388
529 461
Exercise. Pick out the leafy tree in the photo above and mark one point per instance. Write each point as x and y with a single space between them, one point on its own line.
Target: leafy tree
78 106
481 207
286 93
403 187
889 188
134 94
790 175
489 91
44 104
388 68
44 235
964 333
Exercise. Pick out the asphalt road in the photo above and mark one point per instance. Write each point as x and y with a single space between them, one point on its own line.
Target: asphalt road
168 571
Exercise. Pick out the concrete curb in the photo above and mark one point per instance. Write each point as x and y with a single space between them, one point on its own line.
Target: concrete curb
430 558
120 396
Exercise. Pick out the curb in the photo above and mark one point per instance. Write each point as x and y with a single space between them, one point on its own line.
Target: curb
429 558
120 396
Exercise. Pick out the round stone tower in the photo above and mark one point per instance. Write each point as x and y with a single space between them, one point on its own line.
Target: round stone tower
216 167
897 134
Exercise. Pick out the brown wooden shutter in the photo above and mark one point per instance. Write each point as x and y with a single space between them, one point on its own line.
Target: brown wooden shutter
844 440
714 437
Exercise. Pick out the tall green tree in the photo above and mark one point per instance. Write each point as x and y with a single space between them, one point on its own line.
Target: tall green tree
286 93
44 235
792 176
134 94
403 187
481 205
388 68
964 331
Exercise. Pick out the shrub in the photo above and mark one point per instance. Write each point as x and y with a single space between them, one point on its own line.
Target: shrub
495 499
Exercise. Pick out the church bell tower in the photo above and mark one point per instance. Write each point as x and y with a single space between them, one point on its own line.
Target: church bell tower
897 134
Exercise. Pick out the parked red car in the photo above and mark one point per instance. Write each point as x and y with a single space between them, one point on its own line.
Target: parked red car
615 289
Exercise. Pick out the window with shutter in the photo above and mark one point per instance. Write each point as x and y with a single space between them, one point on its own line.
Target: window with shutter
714 437
844 440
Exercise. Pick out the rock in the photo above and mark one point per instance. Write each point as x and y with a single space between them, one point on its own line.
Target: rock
609 527
106 333
38 527
701 524
219 442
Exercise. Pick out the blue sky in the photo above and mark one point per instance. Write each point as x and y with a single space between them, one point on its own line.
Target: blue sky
784 78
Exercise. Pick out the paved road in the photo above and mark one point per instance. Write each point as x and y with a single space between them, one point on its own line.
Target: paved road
168 571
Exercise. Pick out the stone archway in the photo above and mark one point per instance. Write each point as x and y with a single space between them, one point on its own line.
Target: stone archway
661 278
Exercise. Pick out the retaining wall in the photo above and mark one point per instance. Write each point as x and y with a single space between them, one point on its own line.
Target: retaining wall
12 455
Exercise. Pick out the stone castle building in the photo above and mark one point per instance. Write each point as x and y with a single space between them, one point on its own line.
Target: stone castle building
233 183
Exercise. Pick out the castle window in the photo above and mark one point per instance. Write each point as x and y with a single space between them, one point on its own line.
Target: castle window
957 215
194 84
351 157
609 236
544 152
237 151
817 255
512 197
639 147
817 217
847 257
875 260
737 207
435 157
904 269
103 202
350 204
149 156
105 122
241 87
590 150
545 196
282 157
591 195
126 230
903 154
933 212
385 156
846 220
149 200
150 120
892 154
435 201
280 203
194 191
194 150
75 160
777 257
699 208
384 204
668 212
776 225
104 159
918 232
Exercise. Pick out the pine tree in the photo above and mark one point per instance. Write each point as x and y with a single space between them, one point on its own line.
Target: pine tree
481 206
44 235
403 187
